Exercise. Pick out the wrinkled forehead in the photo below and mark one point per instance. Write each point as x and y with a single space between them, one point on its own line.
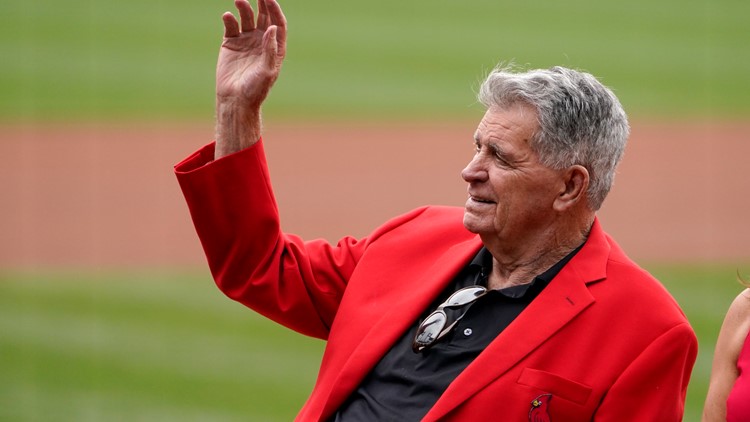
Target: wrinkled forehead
517 122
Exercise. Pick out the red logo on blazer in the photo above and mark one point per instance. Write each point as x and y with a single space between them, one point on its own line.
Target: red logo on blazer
539 411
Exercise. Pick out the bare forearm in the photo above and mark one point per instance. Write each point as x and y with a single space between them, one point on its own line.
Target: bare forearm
237 127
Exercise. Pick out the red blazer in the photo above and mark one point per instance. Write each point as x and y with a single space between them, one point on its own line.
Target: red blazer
604 341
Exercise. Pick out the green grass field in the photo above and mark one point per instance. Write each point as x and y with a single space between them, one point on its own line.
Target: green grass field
155 59
143 347
151 346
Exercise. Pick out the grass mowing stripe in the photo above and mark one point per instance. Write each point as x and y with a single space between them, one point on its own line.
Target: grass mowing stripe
70 387
158 345
176 301
82 372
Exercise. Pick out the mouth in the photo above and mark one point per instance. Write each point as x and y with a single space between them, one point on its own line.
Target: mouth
480 200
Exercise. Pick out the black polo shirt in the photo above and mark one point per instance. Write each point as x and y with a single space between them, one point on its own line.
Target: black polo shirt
404 385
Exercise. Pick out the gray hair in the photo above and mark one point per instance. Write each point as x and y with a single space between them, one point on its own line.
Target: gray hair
580 120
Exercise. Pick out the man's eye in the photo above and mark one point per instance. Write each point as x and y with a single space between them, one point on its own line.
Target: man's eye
501 160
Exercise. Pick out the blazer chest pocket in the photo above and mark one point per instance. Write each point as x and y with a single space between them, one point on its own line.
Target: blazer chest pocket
556 385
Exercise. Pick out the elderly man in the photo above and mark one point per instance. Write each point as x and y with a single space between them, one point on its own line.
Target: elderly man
517 307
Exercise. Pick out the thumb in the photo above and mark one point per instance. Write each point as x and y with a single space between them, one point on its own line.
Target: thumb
270 47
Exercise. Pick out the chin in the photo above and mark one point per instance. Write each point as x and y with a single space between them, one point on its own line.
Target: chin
472 223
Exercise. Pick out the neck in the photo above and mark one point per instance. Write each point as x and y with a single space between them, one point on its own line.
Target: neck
520 262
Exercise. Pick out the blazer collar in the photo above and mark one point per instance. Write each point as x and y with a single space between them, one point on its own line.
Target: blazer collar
563 299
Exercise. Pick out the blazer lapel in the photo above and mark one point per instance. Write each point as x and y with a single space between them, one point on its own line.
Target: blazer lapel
386 331
561 301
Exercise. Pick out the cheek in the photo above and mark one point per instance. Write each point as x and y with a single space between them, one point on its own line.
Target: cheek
504 214
522 202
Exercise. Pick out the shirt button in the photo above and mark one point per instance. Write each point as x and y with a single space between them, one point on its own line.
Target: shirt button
468 332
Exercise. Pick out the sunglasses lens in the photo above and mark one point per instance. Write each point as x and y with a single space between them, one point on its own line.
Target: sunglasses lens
465 296
430 329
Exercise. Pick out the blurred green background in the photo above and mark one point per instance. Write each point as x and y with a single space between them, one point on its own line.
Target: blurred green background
155 58
165 345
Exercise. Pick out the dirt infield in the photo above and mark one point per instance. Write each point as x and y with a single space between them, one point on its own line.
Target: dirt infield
105 195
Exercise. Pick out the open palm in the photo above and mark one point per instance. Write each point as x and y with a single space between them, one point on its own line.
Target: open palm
252 52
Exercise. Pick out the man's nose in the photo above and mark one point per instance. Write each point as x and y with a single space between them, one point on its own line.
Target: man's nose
474 171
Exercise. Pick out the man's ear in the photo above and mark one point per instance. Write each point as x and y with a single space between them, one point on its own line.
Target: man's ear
576 179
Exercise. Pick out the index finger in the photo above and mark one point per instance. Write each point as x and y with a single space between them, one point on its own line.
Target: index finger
231 27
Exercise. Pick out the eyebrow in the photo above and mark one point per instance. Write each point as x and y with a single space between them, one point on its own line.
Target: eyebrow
498 150
492 145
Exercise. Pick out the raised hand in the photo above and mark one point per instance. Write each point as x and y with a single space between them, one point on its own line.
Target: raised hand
249 63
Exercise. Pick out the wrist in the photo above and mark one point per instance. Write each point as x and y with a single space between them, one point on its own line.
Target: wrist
237 126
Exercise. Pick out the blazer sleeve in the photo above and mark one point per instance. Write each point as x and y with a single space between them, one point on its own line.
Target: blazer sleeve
298 284
654 386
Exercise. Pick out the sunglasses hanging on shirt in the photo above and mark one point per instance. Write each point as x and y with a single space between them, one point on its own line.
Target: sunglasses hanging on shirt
433 327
